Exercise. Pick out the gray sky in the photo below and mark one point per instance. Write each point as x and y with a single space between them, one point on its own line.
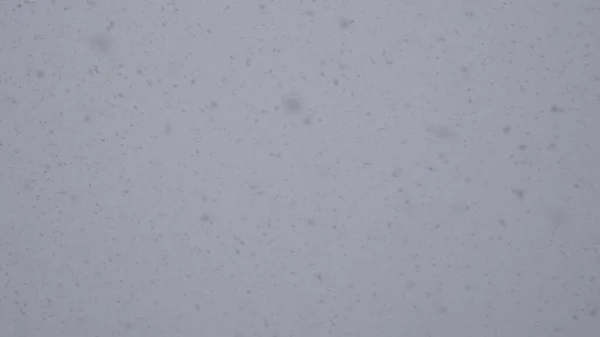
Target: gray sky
299 168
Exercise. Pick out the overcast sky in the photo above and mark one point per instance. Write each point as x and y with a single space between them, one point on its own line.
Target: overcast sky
299 168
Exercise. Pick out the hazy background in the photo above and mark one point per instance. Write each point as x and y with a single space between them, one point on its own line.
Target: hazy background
299 168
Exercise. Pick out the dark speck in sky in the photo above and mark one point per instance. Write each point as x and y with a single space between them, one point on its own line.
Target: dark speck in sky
293 103
100 42
557 109
443 133
346 23
519 193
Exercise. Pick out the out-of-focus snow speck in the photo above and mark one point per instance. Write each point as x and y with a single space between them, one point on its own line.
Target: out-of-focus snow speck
557 109
443 133
345 23
293 103
518 192
100 42
213 105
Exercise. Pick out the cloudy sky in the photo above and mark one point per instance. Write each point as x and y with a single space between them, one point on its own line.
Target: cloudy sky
299 168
